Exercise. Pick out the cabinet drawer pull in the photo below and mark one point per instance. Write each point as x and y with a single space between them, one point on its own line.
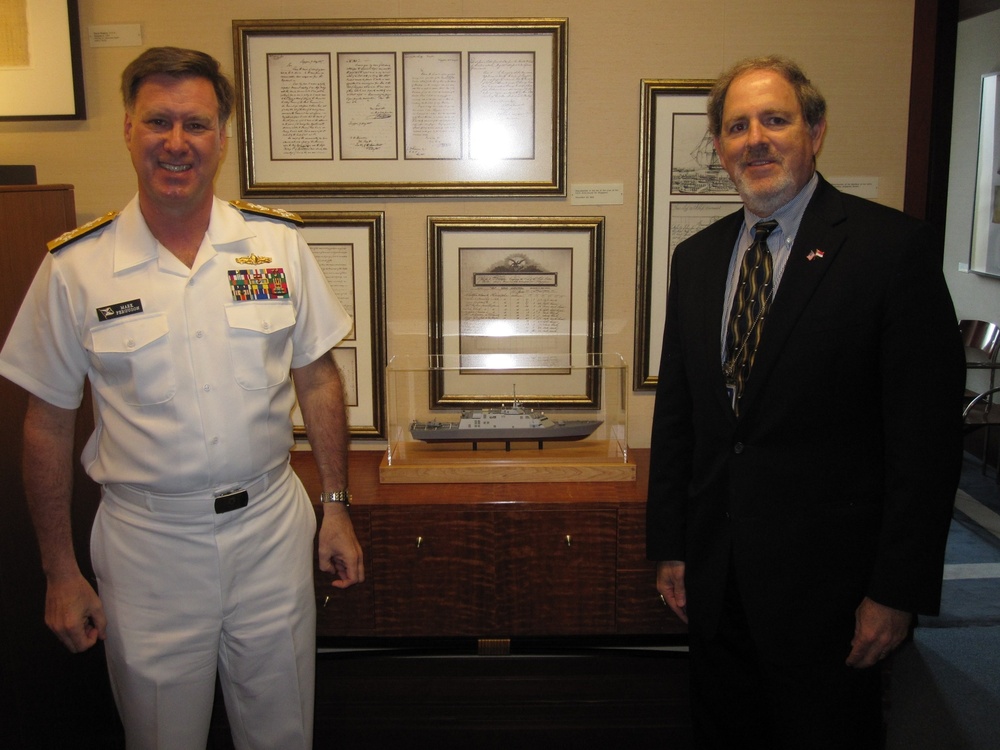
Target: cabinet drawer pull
569 540
326 600
420 540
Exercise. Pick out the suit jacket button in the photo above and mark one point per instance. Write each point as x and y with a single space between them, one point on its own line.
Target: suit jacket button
738 448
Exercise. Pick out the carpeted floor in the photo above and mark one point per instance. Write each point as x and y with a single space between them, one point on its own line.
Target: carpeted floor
945 691
970 592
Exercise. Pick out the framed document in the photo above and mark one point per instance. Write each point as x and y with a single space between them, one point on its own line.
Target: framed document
397 107
682 189
41 75
985 256
517 303
350 249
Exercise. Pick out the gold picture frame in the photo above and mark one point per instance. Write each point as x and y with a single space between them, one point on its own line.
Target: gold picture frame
682 189
515 300
401 107
350 249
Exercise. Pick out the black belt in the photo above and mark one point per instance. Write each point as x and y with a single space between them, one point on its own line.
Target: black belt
232 501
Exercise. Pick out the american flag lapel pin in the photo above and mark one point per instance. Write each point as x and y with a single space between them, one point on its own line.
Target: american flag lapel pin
814 254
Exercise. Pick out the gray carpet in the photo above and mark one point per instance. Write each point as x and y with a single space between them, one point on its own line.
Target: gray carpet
945 689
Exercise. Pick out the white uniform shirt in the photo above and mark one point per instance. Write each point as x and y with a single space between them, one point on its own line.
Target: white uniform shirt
191 386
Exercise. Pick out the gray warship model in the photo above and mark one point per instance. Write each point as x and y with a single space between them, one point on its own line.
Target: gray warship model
504 424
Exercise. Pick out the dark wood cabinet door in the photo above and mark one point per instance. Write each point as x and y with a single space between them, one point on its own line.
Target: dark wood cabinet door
556 571
433 572
632 538
351 611
640 611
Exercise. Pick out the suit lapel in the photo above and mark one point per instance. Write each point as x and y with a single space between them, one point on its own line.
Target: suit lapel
817 243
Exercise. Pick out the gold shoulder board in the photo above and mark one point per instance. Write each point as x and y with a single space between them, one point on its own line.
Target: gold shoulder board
273 213
67 238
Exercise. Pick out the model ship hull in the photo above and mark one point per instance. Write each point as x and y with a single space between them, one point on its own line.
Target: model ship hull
505 424
452 432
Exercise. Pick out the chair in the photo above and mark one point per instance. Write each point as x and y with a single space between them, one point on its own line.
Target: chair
982 345
981 414
980 339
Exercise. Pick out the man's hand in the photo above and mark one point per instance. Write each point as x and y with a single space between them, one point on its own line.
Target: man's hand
670 584
74 612
339 550
877 631
72 609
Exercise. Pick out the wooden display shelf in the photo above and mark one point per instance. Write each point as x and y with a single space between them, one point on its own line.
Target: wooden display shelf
591 461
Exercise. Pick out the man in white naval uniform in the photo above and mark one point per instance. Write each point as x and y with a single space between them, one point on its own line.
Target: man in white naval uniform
192 319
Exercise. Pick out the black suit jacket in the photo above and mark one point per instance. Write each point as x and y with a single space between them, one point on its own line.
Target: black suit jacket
838 479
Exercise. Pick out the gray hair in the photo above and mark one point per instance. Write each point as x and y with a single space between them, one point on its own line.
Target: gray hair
810 99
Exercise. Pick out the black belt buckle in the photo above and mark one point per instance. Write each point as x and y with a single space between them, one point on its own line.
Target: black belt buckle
231 501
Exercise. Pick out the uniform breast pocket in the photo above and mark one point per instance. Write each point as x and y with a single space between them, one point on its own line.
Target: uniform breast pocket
133 356
260 341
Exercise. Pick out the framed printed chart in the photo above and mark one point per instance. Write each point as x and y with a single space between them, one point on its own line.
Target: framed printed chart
350 249
41 75
515 301
682 189
386 107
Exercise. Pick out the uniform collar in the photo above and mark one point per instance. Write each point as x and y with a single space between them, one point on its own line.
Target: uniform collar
227 225
136 245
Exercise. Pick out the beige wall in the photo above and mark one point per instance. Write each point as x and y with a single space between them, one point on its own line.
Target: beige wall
857 52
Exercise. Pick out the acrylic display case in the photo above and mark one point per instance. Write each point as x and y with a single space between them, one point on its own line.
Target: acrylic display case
534 418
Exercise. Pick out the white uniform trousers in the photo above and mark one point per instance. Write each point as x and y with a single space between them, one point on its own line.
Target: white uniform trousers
187 592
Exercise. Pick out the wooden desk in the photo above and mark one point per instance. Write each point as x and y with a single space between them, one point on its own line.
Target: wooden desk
494 562
459 574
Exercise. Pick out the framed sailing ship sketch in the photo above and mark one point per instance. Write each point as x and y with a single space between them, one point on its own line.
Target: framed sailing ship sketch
682 189
399 106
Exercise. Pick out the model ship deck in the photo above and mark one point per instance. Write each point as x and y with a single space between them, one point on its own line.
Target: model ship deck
504 424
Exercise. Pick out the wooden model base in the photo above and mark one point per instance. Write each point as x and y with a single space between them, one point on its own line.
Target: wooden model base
590 461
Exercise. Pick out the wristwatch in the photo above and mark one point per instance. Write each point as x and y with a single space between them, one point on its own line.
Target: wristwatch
341 496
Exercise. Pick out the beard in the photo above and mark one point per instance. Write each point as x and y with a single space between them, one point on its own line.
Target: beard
764 200
764 197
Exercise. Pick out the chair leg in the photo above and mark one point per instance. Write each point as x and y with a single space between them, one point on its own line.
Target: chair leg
986 449
998 460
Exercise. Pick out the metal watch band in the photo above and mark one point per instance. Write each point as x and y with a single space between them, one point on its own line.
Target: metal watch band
341 496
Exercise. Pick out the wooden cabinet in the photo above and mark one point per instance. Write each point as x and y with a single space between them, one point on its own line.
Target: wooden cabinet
640 610
348 611
494 561
31 215
557 571
433 572
39 675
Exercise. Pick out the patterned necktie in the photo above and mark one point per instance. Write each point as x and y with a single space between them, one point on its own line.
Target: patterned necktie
746 321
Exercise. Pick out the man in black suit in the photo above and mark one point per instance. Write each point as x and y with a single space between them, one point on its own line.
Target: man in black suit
806 440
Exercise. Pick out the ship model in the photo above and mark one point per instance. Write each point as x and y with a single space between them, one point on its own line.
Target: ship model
504 424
